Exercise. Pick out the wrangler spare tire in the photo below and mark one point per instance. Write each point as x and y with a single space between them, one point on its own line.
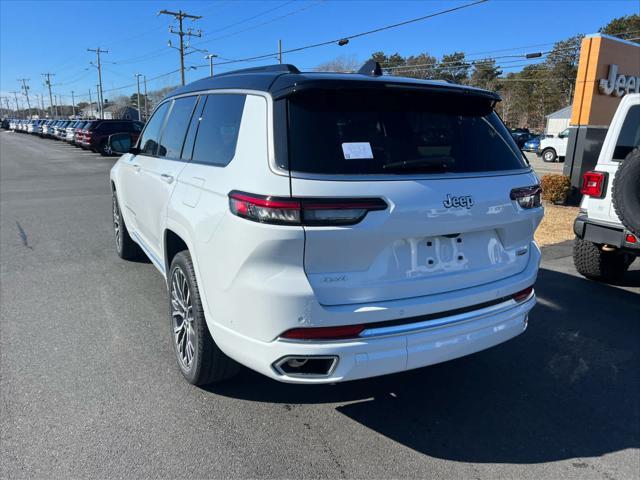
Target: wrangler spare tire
626 191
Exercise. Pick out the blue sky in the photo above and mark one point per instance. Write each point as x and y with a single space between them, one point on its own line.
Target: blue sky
52 36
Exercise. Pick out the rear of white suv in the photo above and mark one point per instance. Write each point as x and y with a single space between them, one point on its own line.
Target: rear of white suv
320 228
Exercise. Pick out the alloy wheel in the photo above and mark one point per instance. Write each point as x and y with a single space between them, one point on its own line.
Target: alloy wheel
182 319
117 223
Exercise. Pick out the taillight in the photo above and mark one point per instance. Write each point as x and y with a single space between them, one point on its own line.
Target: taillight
630 238
302 211
522 295
527 197
324 333
593 184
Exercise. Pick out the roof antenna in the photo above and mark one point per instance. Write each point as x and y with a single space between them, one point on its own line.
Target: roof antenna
371 68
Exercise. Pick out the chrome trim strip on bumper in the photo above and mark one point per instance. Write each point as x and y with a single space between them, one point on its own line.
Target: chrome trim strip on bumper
445 321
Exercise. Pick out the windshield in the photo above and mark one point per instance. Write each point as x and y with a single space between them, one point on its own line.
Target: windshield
396 132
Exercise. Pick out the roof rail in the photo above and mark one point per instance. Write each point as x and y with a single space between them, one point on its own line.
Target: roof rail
284 68
371 68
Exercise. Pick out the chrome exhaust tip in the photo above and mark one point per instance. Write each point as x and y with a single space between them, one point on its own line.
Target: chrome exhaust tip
306 366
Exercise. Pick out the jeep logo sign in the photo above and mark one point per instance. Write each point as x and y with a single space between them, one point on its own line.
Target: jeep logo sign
462 201
618 85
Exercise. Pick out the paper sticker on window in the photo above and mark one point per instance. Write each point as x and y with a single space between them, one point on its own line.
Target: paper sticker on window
357 150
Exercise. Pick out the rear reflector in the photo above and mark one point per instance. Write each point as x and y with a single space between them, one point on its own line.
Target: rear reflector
527 197
593 184
630 238
324 333
522 295
302 211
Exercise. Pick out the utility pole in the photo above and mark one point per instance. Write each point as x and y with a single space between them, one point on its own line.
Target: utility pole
15 95
138 75
98 52
73 103
180 16
211 56
6 100
90 104
48 84
25 87
280 51
146 100
99 101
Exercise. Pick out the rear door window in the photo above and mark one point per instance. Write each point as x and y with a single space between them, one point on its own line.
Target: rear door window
149 139
356 132
629 137
218 129
176 126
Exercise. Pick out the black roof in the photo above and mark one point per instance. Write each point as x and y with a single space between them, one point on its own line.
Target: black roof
281 80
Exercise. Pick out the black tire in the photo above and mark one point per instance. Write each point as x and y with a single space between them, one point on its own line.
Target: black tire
126 248
549 155
594 263
208 363
626 192
103 150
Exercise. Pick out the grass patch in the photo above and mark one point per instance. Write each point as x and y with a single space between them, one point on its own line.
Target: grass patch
557 224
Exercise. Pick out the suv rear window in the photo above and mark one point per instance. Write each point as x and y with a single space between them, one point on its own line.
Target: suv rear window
396 132
629 137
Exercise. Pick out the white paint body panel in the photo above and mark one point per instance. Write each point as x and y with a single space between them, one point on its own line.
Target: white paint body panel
252 276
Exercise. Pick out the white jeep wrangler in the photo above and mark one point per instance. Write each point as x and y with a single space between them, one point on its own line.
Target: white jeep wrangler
608 226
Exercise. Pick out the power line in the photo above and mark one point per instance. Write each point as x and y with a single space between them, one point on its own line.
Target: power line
345 40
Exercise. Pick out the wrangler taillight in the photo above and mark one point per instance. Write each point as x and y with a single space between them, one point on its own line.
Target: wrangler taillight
593 184
527 197
302 211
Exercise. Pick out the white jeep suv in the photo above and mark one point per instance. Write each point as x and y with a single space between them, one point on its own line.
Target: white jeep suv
608 226
321 227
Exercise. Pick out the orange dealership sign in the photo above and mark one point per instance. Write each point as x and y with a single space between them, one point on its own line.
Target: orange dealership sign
609 68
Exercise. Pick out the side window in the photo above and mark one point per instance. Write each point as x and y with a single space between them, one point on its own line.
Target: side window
629 137
218 130
187 149
176 127
149 139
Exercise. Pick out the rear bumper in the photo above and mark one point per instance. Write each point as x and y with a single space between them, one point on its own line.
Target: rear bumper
386 353
379 351
604 234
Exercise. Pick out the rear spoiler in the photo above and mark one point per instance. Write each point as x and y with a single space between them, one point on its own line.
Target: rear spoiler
381 84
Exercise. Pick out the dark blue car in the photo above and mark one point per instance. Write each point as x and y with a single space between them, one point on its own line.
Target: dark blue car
532 144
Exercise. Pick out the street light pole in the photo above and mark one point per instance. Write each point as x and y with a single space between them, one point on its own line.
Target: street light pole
146 100
211 56
280 51
15 95
138 75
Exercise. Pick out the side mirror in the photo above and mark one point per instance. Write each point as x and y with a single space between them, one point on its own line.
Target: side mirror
120 143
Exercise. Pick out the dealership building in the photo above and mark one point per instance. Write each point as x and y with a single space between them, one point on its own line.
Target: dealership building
609 68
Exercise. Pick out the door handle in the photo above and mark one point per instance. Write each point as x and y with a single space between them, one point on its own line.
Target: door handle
166 177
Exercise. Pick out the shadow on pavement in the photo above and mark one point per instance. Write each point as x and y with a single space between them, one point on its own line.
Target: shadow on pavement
569 387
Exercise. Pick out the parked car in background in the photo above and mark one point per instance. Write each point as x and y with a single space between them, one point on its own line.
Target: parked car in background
533 144
70 130
95 135
554 148
521 138
362 253
4 124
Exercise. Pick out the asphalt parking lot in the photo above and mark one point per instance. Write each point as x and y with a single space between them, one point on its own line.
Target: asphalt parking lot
90 389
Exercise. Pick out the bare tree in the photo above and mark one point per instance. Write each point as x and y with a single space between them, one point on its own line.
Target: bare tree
342 63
